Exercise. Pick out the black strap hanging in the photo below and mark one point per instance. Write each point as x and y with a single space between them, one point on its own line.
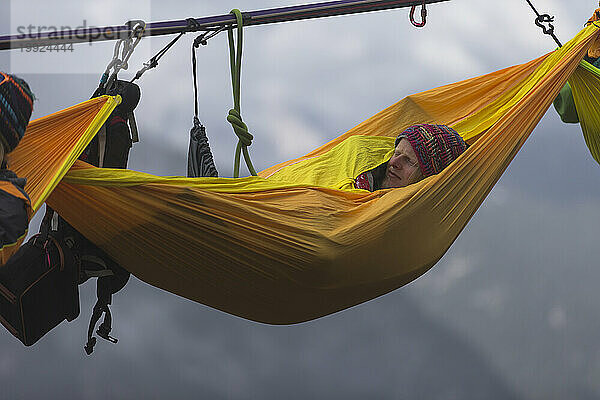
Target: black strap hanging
106 287
200 158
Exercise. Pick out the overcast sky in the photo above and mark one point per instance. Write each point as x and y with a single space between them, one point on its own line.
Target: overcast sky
509 312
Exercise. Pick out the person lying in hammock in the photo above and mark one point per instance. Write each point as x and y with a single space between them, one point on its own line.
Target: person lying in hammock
16 105
420 151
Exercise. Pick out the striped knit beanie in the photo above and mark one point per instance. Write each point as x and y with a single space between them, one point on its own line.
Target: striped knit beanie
436 146
16 105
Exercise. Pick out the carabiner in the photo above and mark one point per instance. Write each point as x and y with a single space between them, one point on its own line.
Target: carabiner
423 15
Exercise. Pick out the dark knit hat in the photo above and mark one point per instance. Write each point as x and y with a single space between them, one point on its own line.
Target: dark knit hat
436 146
16 105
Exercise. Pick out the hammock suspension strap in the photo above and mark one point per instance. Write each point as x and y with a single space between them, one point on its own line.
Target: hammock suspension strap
235 117
192 26
200 40
542 19
423 15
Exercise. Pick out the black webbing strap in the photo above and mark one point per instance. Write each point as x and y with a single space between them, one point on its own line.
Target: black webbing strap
195 45
106 286
200 40
200 159
101 306
153 62
45 227
104 328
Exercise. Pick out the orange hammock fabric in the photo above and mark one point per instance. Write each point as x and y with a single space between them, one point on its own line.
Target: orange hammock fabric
49 148
297 243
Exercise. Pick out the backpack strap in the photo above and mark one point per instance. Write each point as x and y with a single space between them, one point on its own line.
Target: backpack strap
94 267
101 145
106 287
104 328
135 136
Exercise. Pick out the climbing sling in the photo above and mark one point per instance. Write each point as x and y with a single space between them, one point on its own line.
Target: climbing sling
235 116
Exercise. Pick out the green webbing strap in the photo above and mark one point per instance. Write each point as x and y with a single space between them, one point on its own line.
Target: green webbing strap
235 117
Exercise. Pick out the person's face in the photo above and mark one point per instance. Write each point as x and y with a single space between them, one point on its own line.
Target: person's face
403 168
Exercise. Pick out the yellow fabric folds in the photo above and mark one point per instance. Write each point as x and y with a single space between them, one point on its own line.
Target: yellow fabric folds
585 85
290 245
52 144
338 168
49 148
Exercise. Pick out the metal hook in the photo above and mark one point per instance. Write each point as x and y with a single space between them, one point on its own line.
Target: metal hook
545 19
137 28
423 15
203 38
542 19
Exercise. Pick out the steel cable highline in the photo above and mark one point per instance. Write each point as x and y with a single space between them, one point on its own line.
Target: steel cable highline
259 17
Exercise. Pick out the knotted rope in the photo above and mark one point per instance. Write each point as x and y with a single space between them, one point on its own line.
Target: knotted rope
235 117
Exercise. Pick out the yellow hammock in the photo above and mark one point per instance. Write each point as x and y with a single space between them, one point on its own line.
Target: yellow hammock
297 242
50 147
585 85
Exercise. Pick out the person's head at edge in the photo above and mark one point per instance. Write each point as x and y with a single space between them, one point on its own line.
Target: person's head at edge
421 151
16 106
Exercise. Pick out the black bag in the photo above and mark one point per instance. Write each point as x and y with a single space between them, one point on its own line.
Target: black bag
91 262
110 147
38 288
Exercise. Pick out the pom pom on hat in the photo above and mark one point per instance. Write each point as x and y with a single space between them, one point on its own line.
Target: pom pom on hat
16 105
436 146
